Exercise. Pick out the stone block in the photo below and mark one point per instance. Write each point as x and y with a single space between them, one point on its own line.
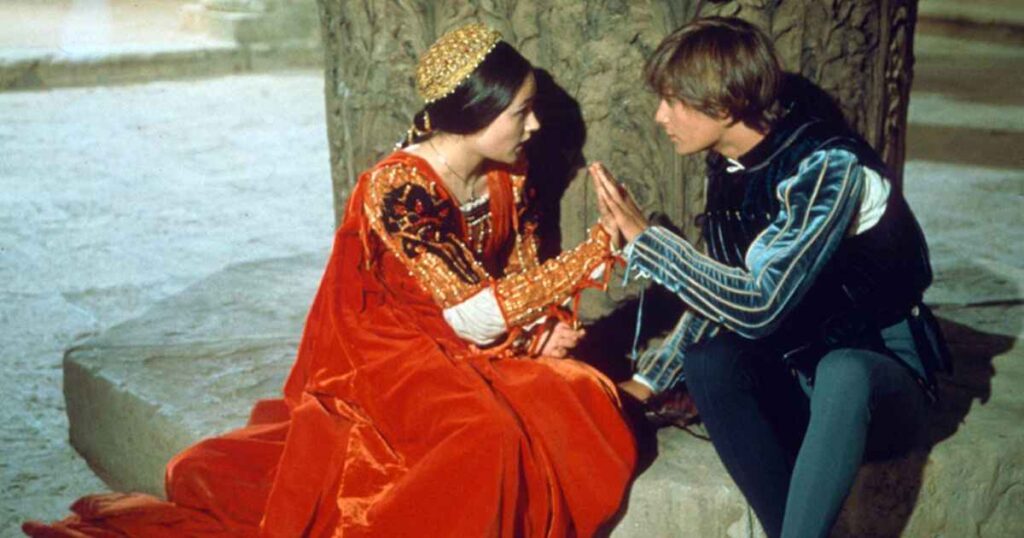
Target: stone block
189 368
124 64
40 69
194 365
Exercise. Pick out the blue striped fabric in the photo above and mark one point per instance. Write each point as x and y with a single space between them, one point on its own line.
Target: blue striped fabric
818 204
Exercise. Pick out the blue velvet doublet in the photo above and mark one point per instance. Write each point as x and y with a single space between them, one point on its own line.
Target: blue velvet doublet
781 266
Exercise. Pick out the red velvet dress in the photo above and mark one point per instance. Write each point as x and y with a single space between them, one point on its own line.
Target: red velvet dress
392 425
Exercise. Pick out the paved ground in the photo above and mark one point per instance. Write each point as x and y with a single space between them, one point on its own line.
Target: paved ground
113 198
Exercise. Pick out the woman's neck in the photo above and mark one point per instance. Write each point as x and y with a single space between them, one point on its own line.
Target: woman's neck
461 161
460 168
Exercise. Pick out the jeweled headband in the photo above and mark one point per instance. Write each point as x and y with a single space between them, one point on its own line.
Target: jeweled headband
452 58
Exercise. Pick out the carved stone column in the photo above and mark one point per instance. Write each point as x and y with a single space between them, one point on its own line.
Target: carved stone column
859 51
595 105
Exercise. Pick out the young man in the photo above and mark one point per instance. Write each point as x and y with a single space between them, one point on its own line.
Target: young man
805 342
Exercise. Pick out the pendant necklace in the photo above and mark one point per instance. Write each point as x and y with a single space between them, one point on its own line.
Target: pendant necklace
472 189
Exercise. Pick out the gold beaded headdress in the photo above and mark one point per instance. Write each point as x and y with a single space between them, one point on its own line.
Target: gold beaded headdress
452 58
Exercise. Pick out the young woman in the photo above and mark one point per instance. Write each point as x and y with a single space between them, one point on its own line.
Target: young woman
430 396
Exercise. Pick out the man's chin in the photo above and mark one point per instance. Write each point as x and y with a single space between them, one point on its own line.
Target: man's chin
682 149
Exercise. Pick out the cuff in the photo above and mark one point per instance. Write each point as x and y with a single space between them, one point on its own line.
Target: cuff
633 254
645 382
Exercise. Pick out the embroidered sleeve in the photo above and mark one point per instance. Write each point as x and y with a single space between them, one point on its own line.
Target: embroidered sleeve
661 367
781 264
422 228
521 297
524 296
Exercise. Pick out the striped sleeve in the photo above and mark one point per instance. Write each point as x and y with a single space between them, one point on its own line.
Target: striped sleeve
660 368
818 203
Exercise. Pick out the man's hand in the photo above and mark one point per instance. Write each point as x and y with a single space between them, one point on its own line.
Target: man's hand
616 204
560 340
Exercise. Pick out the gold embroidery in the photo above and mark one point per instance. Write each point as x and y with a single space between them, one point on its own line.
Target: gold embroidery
524 296
415 222
425 233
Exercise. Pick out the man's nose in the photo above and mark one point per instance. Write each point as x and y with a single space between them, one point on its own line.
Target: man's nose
532 123
660 113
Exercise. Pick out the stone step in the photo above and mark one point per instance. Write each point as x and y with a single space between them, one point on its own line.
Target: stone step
40 69
193 366
59 44
985 20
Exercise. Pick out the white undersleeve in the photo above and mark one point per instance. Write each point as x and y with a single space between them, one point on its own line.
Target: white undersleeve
477 319
872 202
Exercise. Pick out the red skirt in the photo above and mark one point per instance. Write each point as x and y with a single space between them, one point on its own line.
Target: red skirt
495 447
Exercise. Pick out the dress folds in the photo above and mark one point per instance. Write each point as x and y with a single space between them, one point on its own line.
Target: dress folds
392 425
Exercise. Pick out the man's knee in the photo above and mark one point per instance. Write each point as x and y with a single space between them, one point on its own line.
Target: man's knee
842 380
846 370
716 363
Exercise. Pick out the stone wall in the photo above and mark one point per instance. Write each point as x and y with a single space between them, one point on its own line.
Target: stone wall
593 102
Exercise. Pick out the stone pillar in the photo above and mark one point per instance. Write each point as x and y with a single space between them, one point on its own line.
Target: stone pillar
858 51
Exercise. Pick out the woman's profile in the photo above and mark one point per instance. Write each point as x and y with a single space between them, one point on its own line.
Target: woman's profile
431 395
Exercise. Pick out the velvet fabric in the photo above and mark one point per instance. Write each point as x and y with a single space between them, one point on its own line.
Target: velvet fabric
391 426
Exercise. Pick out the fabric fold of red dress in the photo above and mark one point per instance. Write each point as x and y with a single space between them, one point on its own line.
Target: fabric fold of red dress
390 425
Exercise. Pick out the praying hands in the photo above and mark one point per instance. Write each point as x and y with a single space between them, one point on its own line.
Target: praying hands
617 207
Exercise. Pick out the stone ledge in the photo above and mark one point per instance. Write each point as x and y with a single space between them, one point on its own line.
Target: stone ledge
194 364
981 20
189 368
36 69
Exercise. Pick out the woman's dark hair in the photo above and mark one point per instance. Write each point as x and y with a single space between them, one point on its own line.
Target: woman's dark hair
479 99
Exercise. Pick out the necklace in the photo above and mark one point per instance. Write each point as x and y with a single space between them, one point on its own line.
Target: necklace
472 186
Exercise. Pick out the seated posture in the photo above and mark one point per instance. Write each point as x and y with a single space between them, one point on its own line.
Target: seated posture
430 396
805 342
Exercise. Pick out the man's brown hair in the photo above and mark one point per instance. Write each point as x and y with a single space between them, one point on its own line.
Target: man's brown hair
721 66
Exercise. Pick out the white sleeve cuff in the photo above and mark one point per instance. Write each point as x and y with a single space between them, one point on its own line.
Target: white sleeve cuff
477 319
872 203
645 382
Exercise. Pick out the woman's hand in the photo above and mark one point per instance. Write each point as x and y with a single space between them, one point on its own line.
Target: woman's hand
608 223
616 205
560 340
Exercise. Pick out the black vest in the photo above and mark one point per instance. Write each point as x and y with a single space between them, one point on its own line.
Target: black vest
873 280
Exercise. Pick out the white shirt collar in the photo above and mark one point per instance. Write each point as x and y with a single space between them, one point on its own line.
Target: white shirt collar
734 166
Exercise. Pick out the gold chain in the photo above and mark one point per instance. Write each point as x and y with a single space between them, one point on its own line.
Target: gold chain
472 187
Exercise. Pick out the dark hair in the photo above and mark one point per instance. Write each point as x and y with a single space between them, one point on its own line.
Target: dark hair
479 99
721 66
